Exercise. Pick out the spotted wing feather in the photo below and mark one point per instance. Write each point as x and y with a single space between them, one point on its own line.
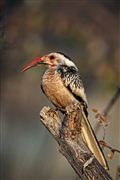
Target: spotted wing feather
73 82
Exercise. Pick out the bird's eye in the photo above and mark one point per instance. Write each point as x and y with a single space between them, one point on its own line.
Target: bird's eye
52 57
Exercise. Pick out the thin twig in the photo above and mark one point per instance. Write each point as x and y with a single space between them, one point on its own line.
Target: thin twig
103 143
108 107
112 150
112 102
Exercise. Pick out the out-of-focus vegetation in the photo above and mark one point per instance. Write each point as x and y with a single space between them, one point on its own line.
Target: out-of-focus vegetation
88 32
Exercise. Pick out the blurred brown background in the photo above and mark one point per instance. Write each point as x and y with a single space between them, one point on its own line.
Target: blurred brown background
88 32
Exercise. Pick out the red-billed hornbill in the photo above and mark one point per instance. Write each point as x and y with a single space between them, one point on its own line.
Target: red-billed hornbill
62 84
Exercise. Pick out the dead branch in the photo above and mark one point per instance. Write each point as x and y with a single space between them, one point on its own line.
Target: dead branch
71 144
112 102
112 150
108 107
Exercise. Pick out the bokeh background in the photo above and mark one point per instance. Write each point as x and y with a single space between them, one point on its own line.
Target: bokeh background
88 32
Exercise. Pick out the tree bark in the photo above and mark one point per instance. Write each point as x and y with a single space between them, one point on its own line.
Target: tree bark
69 137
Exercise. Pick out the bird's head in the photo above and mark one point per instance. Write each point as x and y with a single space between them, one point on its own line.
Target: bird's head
52 60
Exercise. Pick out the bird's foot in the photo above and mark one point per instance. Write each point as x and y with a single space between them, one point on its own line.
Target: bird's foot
60 109
57 109
87 163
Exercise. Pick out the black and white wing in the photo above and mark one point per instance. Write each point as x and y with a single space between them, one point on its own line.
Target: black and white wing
73 82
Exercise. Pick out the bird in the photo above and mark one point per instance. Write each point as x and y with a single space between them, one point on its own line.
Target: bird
62 84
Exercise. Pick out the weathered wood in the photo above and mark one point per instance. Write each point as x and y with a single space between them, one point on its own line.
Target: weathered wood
68 135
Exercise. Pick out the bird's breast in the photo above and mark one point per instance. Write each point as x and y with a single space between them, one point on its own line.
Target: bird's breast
55 90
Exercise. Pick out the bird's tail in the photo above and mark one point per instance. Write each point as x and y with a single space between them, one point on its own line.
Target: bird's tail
92 142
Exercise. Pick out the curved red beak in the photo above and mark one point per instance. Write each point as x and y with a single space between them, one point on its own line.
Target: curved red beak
36 61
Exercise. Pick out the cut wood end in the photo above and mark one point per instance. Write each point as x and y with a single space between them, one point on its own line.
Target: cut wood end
51 119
